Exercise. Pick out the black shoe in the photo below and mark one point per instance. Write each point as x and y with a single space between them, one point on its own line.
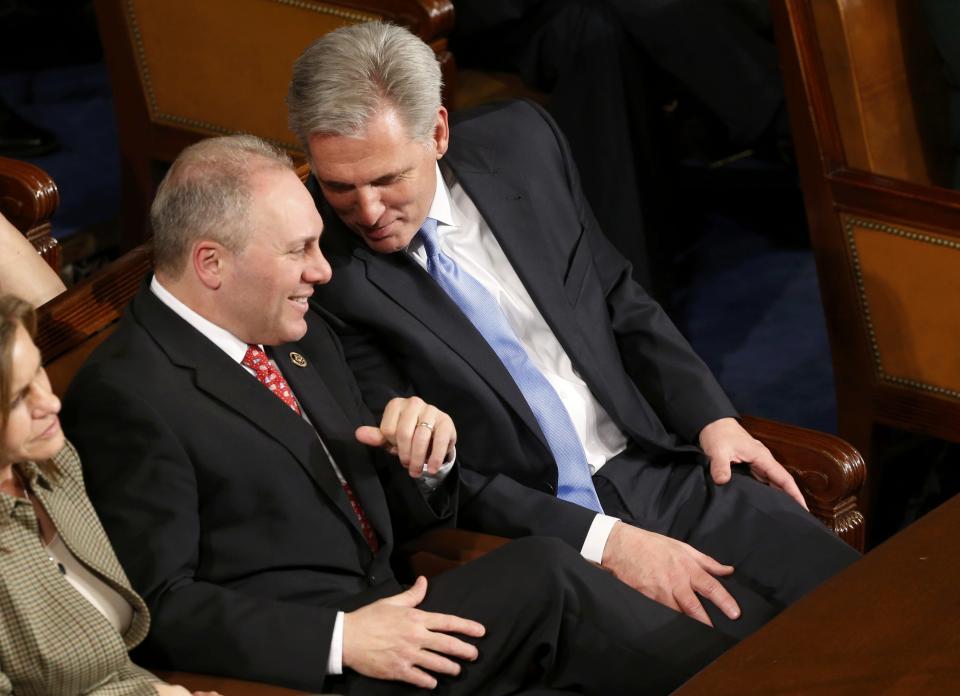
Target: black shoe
19 138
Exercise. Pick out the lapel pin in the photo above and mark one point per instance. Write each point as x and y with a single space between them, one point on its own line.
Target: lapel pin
298 359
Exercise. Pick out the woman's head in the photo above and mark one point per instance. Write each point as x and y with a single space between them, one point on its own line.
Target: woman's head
29 427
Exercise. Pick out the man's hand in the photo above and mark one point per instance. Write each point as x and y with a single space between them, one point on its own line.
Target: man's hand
413 429
724 441
391 639
668 571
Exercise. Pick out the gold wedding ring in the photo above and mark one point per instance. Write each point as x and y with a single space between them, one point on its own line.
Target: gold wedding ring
428 426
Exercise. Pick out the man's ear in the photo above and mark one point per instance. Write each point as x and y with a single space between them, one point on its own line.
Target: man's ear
441 132
209 260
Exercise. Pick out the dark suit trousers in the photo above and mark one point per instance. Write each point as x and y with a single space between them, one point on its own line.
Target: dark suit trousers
779 550
556 621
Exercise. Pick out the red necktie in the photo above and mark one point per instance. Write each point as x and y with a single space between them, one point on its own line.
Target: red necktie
271 378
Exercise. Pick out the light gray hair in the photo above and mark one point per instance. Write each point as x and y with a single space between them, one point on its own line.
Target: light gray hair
345 77
206 194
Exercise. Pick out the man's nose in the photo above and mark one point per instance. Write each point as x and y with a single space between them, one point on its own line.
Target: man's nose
369 206
318 271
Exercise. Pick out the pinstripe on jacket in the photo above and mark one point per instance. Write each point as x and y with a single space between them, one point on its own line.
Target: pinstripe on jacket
52 640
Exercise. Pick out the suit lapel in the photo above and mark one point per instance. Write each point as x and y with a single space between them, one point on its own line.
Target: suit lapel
396 275
227 382
505 205
324 409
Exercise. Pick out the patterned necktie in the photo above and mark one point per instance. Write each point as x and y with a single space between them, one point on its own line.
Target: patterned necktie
271 378
483 311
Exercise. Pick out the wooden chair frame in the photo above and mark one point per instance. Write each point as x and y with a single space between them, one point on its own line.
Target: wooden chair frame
28 199
843 203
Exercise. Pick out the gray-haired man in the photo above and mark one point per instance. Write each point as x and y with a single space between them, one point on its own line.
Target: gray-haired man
468 268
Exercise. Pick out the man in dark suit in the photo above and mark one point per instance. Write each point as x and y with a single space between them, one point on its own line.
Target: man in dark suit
484 284
223 441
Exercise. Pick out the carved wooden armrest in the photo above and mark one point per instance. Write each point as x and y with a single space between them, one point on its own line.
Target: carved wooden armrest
28 199
829 471
226 686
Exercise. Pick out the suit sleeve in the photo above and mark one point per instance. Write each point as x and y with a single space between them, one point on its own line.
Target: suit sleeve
139 477
412 511
377 377
656 356
493 505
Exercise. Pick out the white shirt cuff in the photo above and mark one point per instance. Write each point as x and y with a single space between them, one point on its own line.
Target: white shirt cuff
597 536
335 656
428 482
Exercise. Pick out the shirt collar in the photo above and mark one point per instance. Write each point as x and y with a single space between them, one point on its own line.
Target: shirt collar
34 478
223 339
441 210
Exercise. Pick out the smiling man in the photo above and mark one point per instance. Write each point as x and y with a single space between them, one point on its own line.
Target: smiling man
469 268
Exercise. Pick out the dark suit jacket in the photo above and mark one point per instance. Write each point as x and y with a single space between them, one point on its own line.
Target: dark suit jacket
401 333
221 503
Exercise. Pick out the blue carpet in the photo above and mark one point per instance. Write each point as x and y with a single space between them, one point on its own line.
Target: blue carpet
751 308
75 103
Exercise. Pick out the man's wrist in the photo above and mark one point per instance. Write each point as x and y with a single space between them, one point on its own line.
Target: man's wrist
335 656
430 482
597 536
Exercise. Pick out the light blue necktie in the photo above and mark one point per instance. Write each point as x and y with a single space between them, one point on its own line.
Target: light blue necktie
480 307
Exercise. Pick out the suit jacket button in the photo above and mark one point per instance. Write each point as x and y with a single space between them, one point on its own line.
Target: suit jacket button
372 579
550 488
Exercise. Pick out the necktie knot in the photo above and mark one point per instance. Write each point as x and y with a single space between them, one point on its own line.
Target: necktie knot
429 237
269 376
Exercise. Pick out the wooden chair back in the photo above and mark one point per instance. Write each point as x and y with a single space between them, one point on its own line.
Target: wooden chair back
887 87
886 248
183 70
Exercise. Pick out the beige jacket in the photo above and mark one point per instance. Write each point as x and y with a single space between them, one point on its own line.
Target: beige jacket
52 640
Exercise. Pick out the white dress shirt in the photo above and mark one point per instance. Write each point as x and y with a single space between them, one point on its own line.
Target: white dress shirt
107 600
467 239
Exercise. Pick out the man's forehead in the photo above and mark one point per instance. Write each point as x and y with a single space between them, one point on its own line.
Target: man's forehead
381 149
